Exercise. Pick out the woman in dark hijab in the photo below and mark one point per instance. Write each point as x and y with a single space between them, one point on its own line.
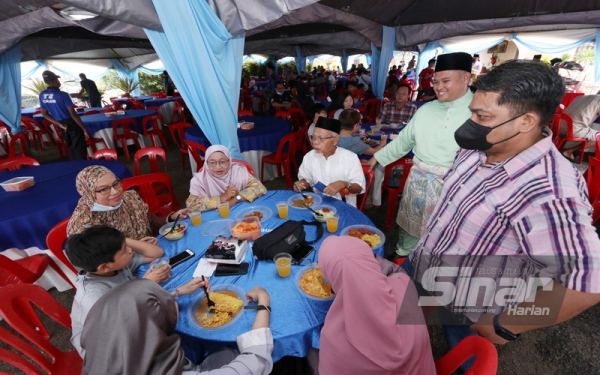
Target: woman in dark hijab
131 330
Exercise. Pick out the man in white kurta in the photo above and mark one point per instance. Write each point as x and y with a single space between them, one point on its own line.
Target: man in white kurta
430 134
337 168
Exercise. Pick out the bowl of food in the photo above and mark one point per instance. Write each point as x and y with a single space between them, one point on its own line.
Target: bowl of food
247 126
110 114
246 228
262 212
173 235
371 235
18 183
298 201
120 112
311 282
325 210
229 307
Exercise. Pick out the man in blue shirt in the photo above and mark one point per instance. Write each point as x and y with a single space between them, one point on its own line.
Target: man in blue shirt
169 89
57 107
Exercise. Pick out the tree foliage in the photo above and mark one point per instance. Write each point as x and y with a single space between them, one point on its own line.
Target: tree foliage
151 83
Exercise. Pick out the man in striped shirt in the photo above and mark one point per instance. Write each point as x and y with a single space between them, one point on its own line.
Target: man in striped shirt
512 209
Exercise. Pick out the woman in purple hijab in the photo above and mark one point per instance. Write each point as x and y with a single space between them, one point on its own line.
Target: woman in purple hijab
221 181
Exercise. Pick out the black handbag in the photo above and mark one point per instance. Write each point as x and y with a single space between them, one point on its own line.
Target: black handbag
286 238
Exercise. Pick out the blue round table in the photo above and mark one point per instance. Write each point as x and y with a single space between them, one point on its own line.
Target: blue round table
40 119
99 121
267 133
158 102
142 98
296 321
27 216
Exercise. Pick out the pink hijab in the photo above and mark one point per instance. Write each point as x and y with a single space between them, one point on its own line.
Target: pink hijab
365 330
204 184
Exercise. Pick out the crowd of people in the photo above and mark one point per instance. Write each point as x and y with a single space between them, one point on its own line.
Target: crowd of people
488 189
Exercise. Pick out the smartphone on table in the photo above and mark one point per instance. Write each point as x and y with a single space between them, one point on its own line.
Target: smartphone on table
181 257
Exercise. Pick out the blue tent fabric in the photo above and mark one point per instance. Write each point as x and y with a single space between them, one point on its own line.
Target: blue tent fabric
370 57
124 73
153 72
344 60
428 53
205 62
40 64
300 60
381 61
10 88
311 60
551 47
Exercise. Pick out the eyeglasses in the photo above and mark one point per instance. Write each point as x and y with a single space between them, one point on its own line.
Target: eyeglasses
106 190
319 139
221 163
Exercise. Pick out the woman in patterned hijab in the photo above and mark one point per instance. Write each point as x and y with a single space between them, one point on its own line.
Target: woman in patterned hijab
103 202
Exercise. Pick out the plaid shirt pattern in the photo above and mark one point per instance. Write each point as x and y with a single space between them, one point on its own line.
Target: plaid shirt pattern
392 115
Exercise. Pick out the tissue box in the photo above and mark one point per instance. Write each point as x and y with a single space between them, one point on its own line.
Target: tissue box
228 250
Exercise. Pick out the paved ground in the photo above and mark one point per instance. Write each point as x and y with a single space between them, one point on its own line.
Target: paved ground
567 348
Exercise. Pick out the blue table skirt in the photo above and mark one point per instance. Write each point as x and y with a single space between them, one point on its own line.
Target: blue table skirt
27 216
158 102
99 121
267 133
296 321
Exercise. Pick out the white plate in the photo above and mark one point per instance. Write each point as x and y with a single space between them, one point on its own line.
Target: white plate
266 212
309 296
216 288
367 227
316 200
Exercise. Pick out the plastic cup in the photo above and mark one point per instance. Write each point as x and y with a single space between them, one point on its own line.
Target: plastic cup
160 263
282 209
224 209
196 218
332 224
362 131
378 122
283 261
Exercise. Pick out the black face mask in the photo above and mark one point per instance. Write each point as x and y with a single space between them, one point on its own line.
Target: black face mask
473 136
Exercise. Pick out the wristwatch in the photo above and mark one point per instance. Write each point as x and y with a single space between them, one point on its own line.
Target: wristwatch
349 186
503 332
264 307
238 197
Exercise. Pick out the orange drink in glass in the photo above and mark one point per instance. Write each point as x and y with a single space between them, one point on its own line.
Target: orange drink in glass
282 209
332 224
283 261
224 209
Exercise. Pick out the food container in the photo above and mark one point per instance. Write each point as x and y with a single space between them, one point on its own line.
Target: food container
239 292
266 212
376 231
217 227
18 183
247 126
120 112
302 291
177 234
110 114
375 129
324 209
241 228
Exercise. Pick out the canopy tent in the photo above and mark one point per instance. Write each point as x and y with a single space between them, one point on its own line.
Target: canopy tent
279 28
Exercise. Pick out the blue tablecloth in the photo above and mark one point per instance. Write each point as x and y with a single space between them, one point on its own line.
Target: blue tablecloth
296 321
142 98
267 133
27 216
387 130
158 102
40 119
99 121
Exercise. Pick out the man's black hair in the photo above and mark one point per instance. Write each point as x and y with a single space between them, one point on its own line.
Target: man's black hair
81 75
279 83
407 86
316 108
94 246
351 83
525 86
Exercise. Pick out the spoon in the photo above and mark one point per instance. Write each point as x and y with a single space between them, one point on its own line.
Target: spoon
313 211
211 304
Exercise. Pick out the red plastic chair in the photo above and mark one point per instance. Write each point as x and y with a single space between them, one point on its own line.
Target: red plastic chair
112 108
122 132
372 108
593 184
597 152
27 270
561 141
56 239
17 310
244 163
12 164
57 137
179 130
147 186
369 175
106 154
152 129
245 113
20 139
91 144
194 149
153 153
178 114
298 117
394 192
92 112
5 135
281 158
282 114
135 104
332 113
486 360
35 131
